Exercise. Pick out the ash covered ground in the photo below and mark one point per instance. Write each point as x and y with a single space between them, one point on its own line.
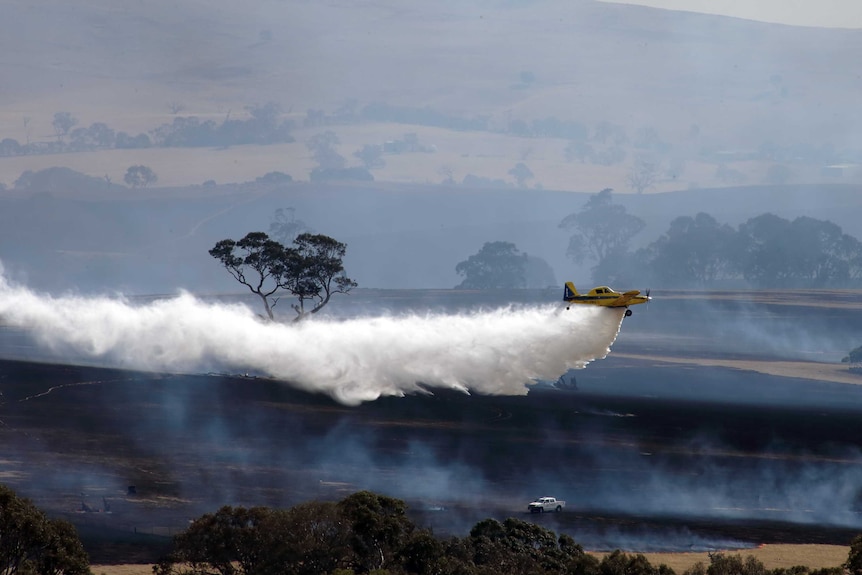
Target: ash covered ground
648 453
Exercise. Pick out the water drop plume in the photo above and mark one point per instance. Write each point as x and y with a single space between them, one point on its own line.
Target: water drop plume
499 351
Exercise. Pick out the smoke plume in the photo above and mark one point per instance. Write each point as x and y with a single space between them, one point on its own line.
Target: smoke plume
500 351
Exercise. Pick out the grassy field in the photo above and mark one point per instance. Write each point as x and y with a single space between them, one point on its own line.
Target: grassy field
481 154
772 557
594 63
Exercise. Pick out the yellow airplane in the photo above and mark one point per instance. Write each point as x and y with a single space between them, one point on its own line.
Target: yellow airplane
605 296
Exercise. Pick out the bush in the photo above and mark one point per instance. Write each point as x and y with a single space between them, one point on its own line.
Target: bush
32 543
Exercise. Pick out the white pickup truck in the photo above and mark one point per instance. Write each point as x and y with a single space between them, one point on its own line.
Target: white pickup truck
543 504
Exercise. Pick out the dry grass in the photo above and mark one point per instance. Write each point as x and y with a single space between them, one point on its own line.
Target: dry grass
483 154
459 59
836 372
772 556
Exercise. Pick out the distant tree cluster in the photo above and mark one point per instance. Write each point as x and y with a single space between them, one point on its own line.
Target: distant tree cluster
371 533
855 356
367 533
61 180
331 166
500 265
140 176
364 533
263 127
765 251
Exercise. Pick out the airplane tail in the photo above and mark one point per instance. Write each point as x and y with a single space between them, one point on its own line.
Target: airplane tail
569 291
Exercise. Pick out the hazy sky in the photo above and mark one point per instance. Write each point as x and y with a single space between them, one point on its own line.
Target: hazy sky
823 13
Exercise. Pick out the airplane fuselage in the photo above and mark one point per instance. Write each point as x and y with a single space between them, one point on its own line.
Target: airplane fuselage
604 296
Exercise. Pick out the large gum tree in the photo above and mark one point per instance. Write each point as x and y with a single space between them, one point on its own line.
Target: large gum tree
311 269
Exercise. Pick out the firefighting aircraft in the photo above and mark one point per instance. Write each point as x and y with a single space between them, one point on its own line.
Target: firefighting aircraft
604 296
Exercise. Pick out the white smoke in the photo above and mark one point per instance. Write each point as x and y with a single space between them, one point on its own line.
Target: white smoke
490 352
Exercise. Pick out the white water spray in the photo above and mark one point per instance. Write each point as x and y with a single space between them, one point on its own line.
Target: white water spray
491 352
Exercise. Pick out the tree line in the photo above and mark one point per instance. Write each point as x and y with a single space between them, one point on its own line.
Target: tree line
262 127
363 533
765 251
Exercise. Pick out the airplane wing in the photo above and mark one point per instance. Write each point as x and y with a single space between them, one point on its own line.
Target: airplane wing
625 298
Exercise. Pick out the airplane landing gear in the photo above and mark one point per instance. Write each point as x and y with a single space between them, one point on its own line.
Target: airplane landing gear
628 312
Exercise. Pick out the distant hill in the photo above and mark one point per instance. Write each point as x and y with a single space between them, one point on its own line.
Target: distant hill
506 104
125 61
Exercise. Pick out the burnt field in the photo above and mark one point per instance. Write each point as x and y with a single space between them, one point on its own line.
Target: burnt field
650 454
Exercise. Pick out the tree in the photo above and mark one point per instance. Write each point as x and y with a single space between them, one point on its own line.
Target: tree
600 229
220 541
521 173
98 135
256 262
378 527
619 563
498 265
695 252
139 176
274 178
371 156
803 253
265 116
721 564
517 546
58 179
855 356
311 269
285 226
63 122
449 173
306 539
314 271
854 558
322 147
32 543
538 273
353 174
643 174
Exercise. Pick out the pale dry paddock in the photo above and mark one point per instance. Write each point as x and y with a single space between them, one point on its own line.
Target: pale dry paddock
772 556
834 372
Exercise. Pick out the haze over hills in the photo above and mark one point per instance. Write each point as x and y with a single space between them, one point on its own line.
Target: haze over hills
737 80
579 92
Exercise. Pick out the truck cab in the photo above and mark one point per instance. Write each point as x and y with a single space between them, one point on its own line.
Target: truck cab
544 504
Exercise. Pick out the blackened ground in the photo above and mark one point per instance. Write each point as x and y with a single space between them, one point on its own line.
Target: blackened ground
648 454
640 471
